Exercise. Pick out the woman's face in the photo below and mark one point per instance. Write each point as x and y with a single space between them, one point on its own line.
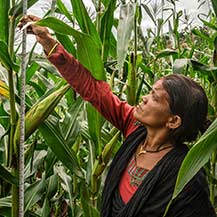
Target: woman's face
153 111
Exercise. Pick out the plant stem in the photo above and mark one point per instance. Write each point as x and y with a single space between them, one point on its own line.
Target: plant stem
13 158
15 190
11 36
52 9
98 11
131 85
94 190
13 115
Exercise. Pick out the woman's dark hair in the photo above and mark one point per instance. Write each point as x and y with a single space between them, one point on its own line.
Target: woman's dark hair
188 100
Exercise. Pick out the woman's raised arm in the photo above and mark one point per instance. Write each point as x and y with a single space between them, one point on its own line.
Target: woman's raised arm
98 93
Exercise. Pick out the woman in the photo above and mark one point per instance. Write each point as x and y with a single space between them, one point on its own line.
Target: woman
142 176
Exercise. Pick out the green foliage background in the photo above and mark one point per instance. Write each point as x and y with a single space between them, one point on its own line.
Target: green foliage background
69 146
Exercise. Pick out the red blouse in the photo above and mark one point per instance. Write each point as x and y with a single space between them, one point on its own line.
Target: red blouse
131 179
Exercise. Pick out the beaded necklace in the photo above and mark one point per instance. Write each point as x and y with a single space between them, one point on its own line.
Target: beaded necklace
144 151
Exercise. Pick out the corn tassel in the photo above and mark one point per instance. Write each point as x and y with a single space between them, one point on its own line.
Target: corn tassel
38 113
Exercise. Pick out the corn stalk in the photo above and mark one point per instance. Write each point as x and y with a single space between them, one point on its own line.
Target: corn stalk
13 158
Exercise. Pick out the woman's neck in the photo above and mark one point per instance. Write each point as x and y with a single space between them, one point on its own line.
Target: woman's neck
156 139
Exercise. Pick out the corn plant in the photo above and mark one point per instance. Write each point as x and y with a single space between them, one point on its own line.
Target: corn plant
68 144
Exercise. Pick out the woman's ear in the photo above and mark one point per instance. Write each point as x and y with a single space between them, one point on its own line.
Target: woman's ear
174 122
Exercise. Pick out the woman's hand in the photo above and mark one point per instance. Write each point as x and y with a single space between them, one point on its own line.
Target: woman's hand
42 34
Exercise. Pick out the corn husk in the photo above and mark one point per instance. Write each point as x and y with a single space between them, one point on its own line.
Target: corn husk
39 112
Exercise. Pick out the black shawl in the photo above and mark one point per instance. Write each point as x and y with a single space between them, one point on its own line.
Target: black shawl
153 195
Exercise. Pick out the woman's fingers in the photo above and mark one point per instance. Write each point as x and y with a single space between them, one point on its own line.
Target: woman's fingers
27 21
27 25
33 17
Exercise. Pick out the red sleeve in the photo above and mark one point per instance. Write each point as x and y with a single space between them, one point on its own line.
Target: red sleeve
98 93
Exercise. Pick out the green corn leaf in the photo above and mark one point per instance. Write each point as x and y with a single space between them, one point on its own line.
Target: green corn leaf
52 186
47 66
5 206
214 58
85 44
34 193
196 158
5 58
106 26
57 144
37 88
5 211
196 65
84 21
50 161
70 126
5 201
95 122
106 3
176 22
37 159
46 209
113 46
150 14
67 43
30 71
4 20
67 182
202 35
4 120
125 27
139 13
64 10
209 24
166 53
214 4
7 176
146 69
198 155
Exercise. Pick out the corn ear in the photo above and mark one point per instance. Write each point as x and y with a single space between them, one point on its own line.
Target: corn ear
38 113
4 90
102 161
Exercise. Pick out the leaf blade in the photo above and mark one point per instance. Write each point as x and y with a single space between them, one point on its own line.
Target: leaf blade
196 158
55 141
125 27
